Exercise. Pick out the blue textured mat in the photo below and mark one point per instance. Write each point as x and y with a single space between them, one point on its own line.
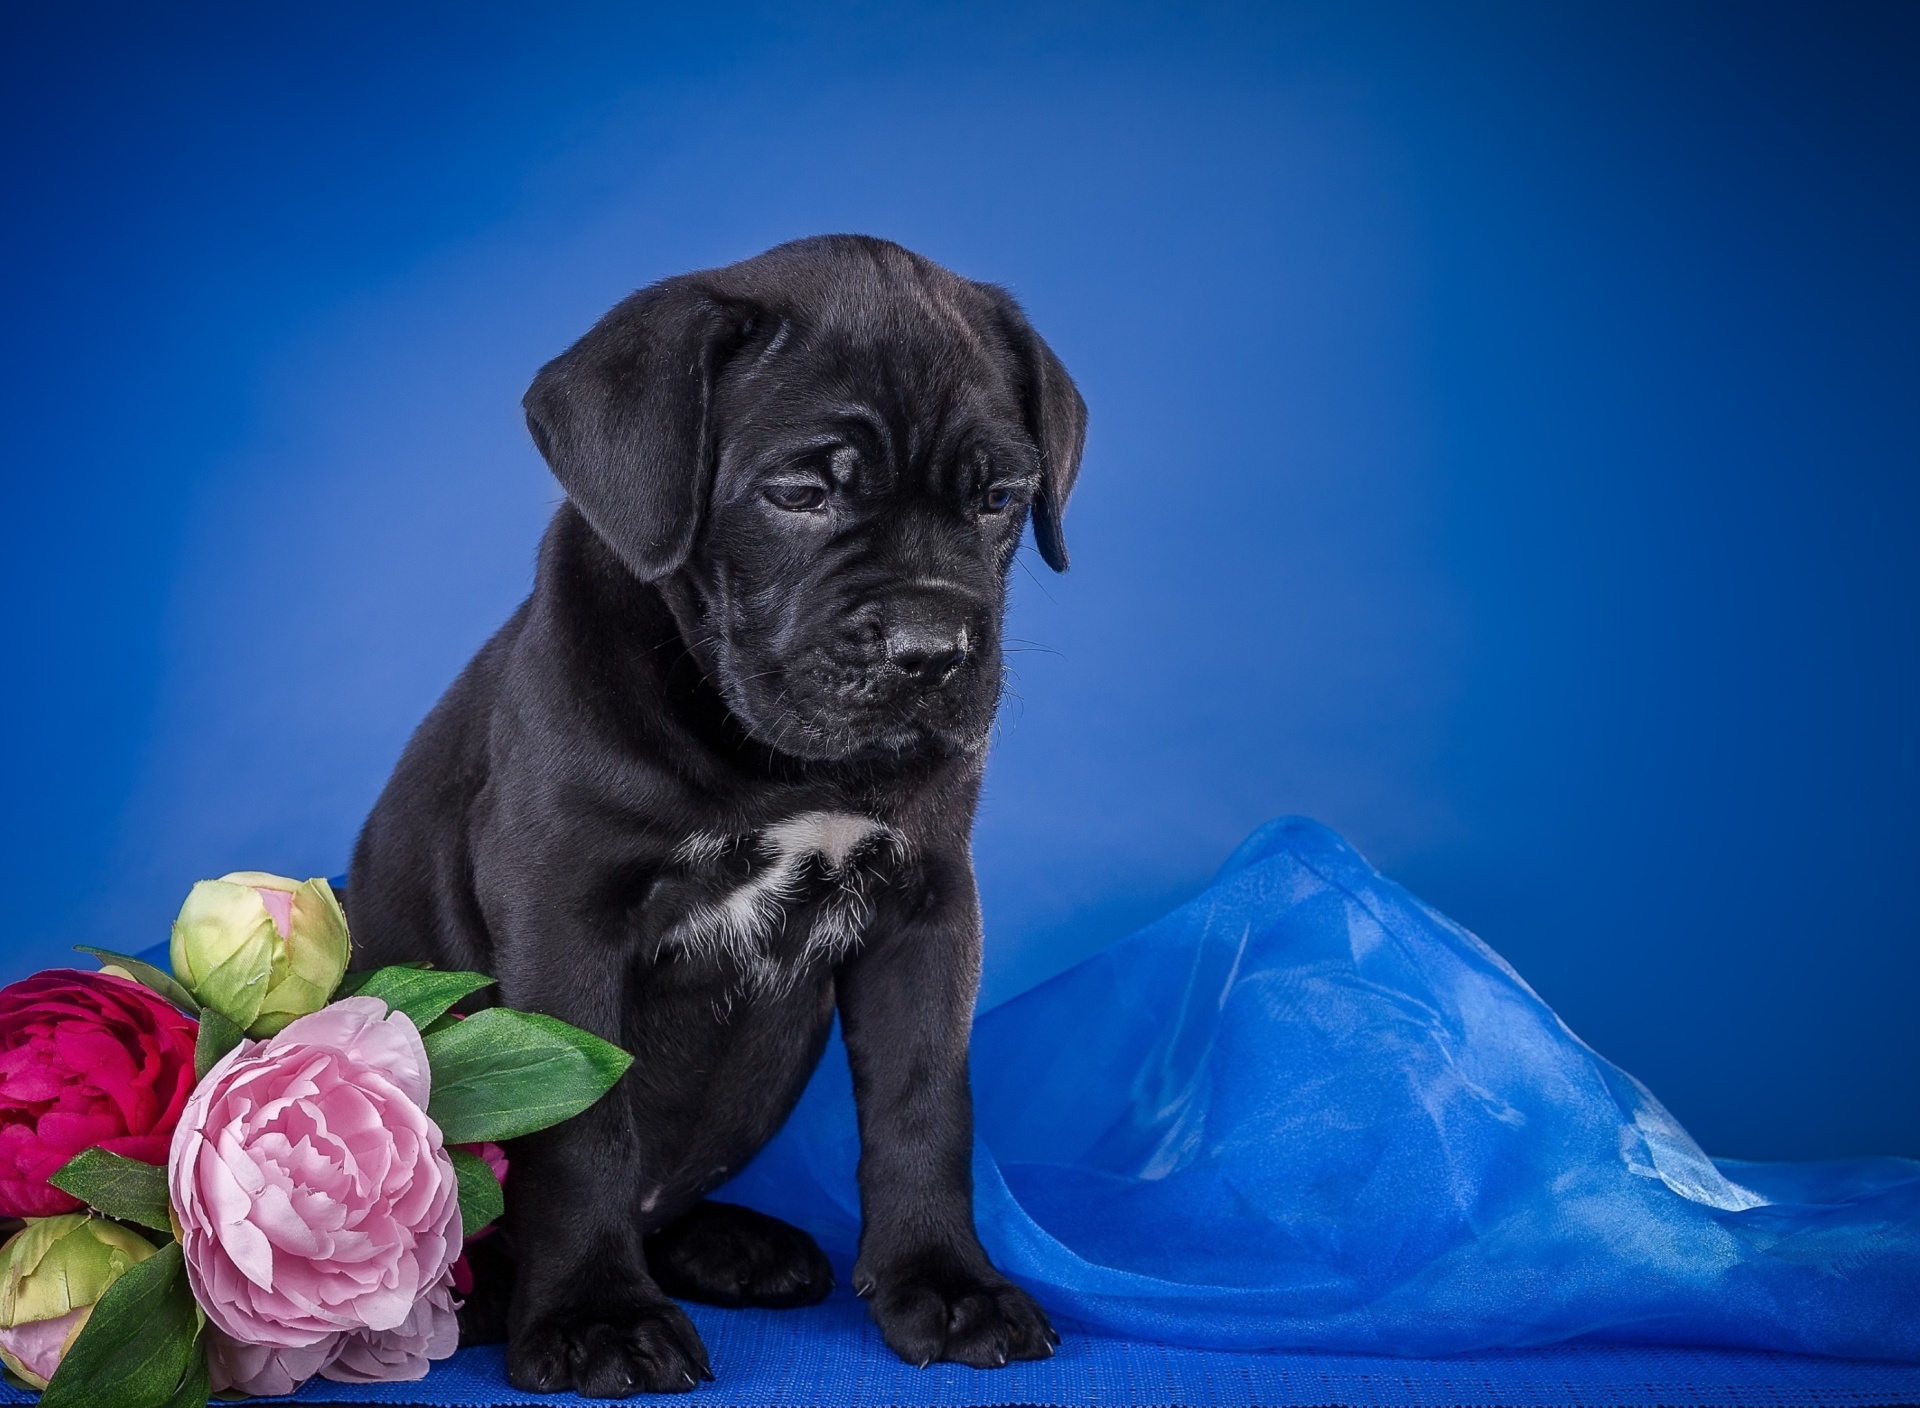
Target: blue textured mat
831 1357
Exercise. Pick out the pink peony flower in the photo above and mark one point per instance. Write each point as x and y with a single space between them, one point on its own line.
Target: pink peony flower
39 1345
263 1370
430 1332
314 1197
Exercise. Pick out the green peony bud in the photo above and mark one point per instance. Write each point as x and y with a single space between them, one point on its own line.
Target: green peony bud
261 949
52 1274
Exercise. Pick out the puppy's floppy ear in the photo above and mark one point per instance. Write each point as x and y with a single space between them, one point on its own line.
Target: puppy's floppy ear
1056 419
622 417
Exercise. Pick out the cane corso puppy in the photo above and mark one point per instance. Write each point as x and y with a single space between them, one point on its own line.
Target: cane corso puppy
714 781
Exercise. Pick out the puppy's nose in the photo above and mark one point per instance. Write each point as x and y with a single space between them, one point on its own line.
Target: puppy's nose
929 653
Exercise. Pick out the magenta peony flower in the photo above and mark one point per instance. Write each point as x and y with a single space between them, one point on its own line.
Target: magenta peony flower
314 1197
495 1158
492 1155
85 1059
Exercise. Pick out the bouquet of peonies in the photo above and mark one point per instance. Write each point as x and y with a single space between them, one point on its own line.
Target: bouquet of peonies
256 1169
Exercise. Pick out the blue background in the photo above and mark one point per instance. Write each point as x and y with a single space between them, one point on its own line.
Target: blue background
1505 440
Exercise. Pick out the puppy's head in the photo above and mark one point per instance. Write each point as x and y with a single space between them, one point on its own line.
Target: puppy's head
825 455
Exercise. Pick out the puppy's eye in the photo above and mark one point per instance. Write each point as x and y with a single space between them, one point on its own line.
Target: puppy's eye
798 498
997 498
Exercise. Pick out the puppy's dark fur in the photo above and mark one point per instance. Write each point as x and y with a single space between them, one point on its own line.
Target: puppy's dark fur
716 778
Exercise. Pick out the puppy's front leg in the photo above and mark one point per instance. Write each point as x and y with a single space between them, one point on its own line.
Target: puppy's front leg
906 1005
585 1313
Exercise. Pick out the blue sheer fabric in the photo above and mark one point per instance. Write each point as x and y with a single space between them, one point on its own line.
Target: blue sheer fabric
1306 1111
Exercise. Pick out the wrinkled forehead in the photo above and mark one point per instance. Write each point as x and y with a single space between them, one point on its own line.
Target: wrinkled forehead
909 382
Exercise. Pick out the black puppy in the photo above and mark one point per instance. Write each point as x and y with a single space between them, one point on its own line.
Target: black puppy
717 776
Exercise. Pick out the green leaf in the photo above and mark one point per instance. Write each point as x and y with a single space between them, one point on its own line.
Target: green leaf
196 1385
218 1036
481 1200
148 976
137 1345
351 984
117 1186
424 994
501 1074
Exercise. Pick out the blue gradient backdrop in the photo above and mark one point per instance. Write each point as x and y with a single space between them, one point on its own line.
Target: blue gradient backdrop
1506 426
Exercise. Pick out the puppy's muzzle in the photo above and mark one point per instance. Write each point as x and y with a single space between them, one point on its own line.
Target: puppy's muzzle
927 652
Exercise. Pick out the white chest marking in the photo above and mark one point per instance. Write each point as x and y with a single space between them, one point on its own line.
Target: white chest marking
744 922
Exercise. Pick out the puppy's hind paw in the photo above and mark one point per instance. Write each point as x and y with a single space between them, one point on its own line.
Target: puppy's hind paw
984 1321
721 1254
651 1349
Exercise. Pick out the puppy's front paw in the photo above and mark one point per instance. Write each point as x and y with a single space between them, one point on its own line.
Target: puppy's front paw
608 1352
930 1308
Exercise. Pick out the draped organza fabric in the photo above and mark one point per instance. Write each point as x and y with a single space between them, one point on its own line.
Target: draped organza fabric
1305 1110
